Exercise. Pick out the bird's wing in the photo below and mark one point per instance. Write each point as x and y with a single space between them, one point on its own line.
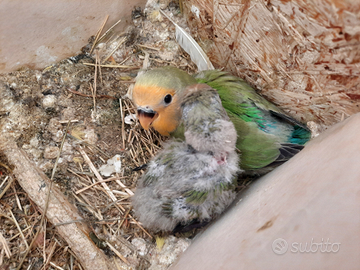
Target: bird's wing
262 127
257 148
238 95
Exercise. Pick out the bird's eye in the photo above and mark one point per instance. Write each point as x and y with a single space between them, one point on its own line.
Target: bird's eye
167 99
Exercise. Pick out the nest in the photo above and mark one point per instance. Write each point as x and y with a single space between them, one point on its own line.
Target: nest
63 123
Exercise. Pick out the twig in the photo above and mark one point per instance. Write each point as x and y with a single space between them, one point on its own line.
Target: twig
148 47
5 246
148 135
107 31
135 154
121 193
107 189
16 235
93 90
19 229
7 187
3 182
114 50
98 61
98 34
123 220
88 207
99 182
122 123
137 223
36 184
117 253
113 66
78 174
47 199
5 166
55 266
123 61
89 145
146 62
98 176
50 255
129 141
17 199
123 186
133 157
44 241
66 121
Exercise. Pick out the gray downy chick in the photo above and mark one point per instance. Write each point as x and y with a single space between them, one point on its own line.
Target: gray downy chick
195 179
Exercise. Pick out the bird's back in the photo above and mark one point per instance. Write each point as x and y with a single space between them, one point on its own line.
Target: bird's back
265 134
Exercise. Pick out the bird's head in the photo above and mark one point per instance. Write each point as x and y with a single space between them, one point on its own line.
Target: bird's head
157 95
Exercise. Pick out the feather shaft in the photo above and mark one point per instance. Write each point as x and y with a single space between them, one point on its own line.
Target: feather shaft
185 40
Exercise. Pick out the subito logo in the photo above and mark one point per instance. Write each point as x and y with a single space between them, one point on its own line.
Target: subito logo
279 246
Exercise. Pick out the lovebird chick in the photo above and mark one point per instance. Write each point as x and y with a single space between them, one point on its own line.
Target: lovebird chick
267 137
192 179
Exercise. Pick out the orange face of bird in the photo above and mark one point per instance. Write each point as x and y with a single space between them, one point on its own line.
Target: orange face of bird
157 107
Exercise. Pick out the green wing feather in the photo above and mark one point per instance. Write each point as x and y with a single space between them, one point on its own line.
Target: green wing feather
253 116
257 148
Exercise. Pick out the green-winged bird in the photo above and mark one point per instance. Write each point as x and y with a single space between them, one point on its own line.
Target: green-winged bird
266 136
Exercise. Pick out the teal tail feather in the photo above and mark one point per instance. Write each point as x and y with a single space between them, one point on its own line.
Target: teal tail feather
300 135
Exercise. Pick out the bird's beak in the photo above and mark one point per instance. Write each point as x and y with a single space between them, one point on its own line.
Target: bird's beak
146 117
